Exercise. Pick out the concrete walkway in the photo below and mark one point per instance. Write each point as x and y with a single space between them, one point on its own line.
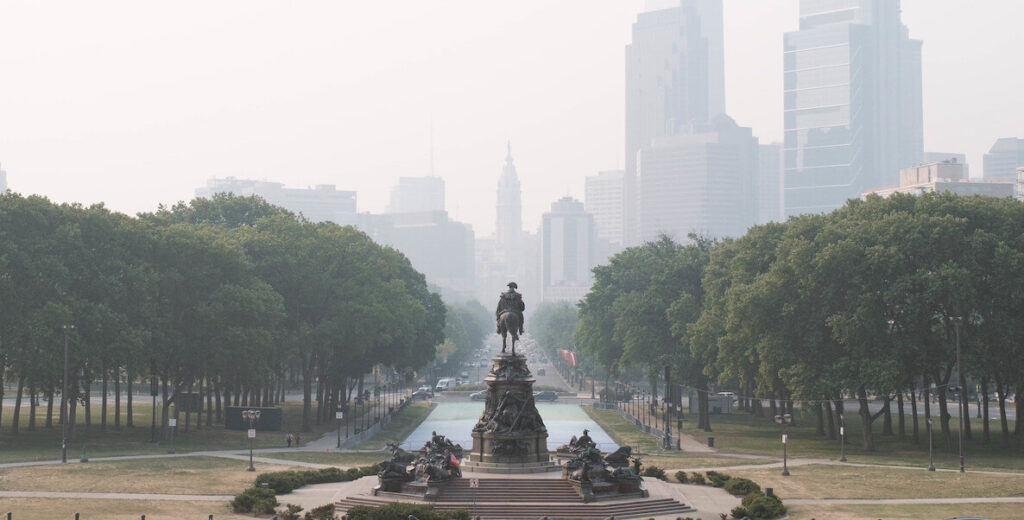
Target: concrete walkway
115 496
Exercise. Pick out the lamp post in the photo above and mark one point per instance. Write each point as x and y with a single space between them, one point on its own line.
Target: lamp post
339 415
963 391
842 439
252 416
64 405
593 378
931 460
784 421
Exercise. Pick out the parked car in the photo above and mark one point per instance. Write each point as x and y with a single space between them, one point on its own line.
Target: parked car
427 389
444 384
422 394
479 396
545 395
730 395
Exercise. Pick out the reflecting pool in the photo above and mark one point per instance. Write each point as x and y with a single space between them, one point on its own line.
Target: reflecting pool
456 421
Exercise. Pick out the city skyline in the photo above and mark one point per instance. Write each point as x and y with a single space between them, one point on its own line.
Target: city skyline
133 114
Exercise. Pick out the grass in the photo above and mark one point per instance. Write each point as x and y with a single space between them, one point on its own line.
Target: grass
835 481
905 512
401 426
91 509
44 443
743 433
185 475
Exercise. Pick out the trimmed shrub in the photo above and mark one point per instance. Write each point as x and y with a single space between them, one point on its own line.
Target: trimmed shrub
400 511
759 505
741 486
698 478
255 500
717 479
283 482
681 477
290 512
739 513
656 472
320 513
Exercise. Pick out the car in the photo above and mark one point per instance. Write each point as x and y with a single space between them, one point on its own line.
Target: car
421 394
426 388
730 395
444 384
545 395
479 396
464 375
541 372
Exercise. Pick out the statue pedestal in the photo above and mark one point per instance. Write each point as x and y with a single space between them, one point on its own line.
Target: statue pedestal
510 436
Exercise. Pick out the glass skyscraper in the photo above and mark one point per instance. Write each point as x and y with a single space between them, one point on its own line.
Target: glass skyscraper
853 115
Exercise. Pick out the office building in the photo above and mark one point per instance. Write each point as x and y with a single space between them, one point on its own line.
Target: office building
852 101
945 177
417 195
770 205
321 203
3 180
703 181
675 77
603 198
509 218
567 239
1003 158
938 157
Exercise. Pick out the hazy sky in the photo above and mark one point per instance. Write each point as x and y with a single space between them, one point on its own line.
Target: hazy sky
137 103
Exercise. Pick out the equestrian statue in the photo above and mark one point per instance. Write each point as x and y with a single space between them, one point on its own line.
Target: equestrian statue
510 316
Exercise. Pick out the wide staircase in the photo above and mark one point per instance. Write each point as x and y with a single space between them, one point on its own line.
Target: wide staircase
515 499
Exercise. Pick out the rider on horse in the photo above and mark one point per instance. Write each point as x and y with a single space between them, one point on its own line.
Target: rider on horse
511 301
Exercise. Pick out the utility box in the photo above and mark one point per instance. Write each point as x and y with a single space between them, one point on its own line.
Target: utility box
270 418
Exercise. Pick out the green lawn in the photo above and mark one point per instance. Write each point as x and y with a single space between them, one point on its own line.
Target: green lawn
905 512
44 443
743 433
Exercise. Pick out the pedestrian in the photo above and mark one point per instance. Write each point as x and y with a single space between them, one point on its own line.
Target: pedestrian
289 439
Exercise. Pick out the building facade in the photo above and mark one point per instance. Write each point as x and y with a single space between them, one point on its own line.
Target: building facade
567 240
1003 158
702 182
604 198
675 77
3 180
945 177
938 157
417 195
852 100
321 203
770 205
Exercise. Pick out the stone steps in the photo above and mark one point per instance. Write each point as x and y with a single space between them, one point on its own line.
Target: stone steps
510 490
553 511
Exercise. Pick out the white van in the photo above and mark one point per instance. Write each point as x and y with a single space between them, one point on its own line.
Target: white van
444 383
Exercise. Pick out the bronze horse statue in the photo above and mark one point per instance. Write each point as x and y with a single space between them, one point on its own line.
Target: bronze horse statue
508 323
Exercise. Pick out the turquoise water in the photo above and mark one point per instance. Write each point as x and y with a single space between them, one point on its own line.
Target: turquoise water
456 421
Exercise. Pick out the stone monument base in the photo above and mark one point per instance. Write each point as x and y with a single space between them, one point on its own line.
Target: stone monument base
509 468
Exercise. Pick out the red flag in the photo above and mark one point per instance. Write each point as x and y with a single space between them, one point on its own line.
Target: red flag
572 359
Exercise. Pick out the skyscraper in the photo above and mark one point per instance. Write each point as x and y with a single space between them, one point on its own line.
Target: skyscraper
567 251
1003 158
675 77
703 181
603 198
3 181
852 100
417 194
769 184
509 229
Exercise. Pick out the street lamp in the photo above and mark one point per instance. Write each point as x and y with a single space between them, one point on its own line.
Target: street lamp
64 402
842 439
252 416
963 391
784 421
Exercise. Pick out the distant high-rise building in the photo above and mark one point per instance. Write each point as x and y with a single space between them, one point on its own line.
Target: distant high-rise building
938 157
948 176
567 239
322 203
417 195
509 228
3 181
675 77
853 109
701 182
769 184
1003 158
603 198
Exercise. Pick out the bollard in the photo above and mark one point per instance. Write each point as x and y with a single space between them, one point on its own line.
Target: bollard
143 517
711 442
76 516
769 492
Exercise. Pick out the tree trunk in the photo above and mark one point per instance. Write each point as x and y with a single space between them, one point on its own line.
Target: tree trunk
32 402
866 419
1001 393
887 416
188 411
87 387
819 421
901 425
103 401
830 422
117 398
49 407
216 396
985 434
129 418
965 405
307 394
913 413
15 419
944 418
